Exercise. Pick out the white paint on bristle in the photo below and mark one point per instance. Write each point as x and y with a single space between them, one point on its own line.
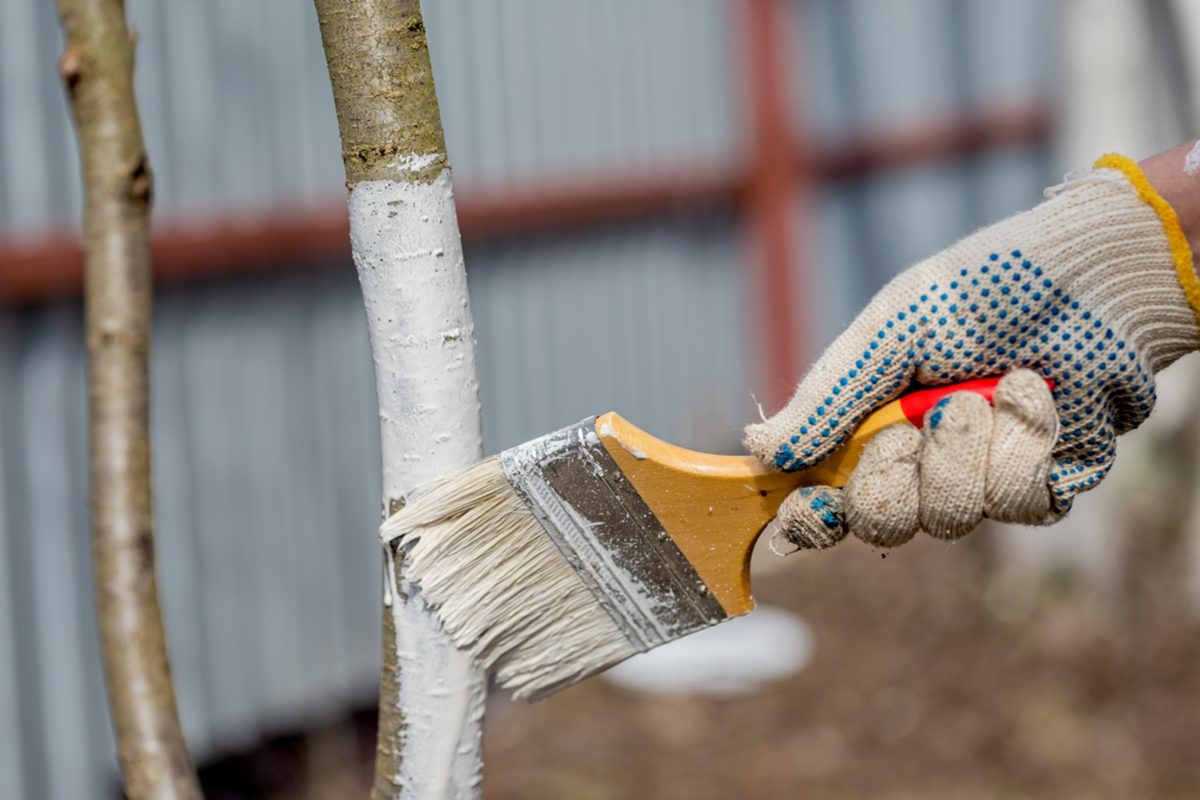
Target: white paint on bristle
1191 162
501 588
409 258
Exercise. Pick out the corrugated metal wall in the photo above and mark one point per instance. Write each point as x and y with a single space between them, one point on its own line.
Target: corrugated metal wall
266 454
868 64
237 109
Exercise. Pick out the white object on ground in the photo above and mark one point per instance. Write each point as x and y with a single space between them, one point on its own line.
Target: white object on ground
738 656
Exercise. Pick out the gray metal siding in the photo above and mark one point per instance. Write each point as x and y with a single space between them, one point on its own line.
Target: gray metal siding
266 468
648 322
266 461
238 114
871 63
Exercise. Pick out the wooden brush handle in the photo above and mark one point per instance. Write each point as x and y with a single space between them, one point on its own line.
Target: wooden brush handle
715 506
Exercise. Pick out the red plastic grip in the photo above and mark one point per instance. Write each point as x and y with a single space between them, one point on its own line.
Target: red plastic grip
915 404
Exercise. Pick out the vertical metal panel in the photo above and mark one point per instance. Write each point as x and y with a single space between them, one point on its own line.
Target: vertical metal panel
22 100
1007 181
236 105
181 590
453 66
308 524
346 425
151 81
238 113
65 194
59 546
871 230
241 114
1012 47
216 450
903 53
549 88
189 170
14 757
827 95
916 213
522 118
20 577
837 259
873 63
645 321
477 31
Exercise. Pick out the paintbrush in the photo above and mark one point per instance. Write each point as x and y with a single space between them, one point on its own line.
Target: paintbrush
565 555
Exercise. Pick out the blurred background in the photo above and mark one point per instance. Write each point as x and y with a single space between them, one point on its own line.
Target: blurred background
669 207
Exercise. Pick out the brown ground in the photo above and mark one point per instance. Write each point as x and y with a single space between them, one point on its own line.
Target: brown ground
934 677
918 689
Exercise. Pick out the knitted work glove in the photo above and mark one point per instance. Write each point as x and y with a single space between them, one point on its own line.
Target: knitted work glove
1093 290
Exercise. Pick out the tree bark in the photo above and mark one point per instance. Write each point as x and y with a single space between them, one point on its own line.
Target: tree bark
408 255
97 69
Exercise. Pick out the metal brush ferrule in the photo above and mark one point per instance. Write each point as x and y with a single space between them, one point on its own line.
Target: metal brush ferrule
606 532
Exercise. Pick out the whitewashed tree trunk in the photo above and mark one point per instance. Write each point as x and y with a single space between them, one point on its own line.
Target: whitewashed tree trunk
410 265
409 259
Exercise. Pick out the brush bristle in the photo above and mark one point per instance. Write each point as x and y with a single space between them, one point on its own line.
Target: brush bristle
500 587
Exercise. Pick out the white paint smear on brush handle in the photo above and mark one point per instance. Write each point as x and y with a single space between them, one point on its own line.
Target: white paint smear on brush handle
409 257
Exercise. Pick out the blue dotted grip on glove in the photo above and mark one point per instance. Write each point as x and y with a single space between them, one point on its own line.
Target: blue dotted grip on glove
997 316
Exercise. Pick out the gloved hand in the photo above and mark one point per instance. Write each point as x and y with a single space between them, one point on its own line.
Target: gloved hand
1093 289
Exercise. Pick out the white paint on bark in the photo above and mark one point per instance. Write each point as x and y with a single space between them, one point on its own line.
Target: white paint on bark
409 258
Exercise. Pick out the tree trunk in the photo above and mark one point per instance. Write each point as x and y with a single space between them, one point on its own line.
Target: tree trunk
405 240
97 69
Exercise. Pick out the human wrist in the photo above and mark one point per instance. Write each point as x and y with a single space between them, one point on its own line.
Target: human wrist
1168 173
1147 278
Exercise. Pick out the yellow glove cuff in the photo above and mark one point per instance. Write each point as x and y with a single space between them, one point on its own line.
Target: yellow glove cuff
1181 251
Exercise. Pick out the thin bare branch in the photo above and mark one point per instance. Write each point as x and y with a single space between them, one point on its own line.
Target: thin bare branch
97 70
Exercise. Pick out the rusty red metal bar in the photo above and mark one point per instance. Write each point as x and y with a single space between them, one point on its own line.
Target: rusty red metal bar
590 200
772 217
50 267
932 138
